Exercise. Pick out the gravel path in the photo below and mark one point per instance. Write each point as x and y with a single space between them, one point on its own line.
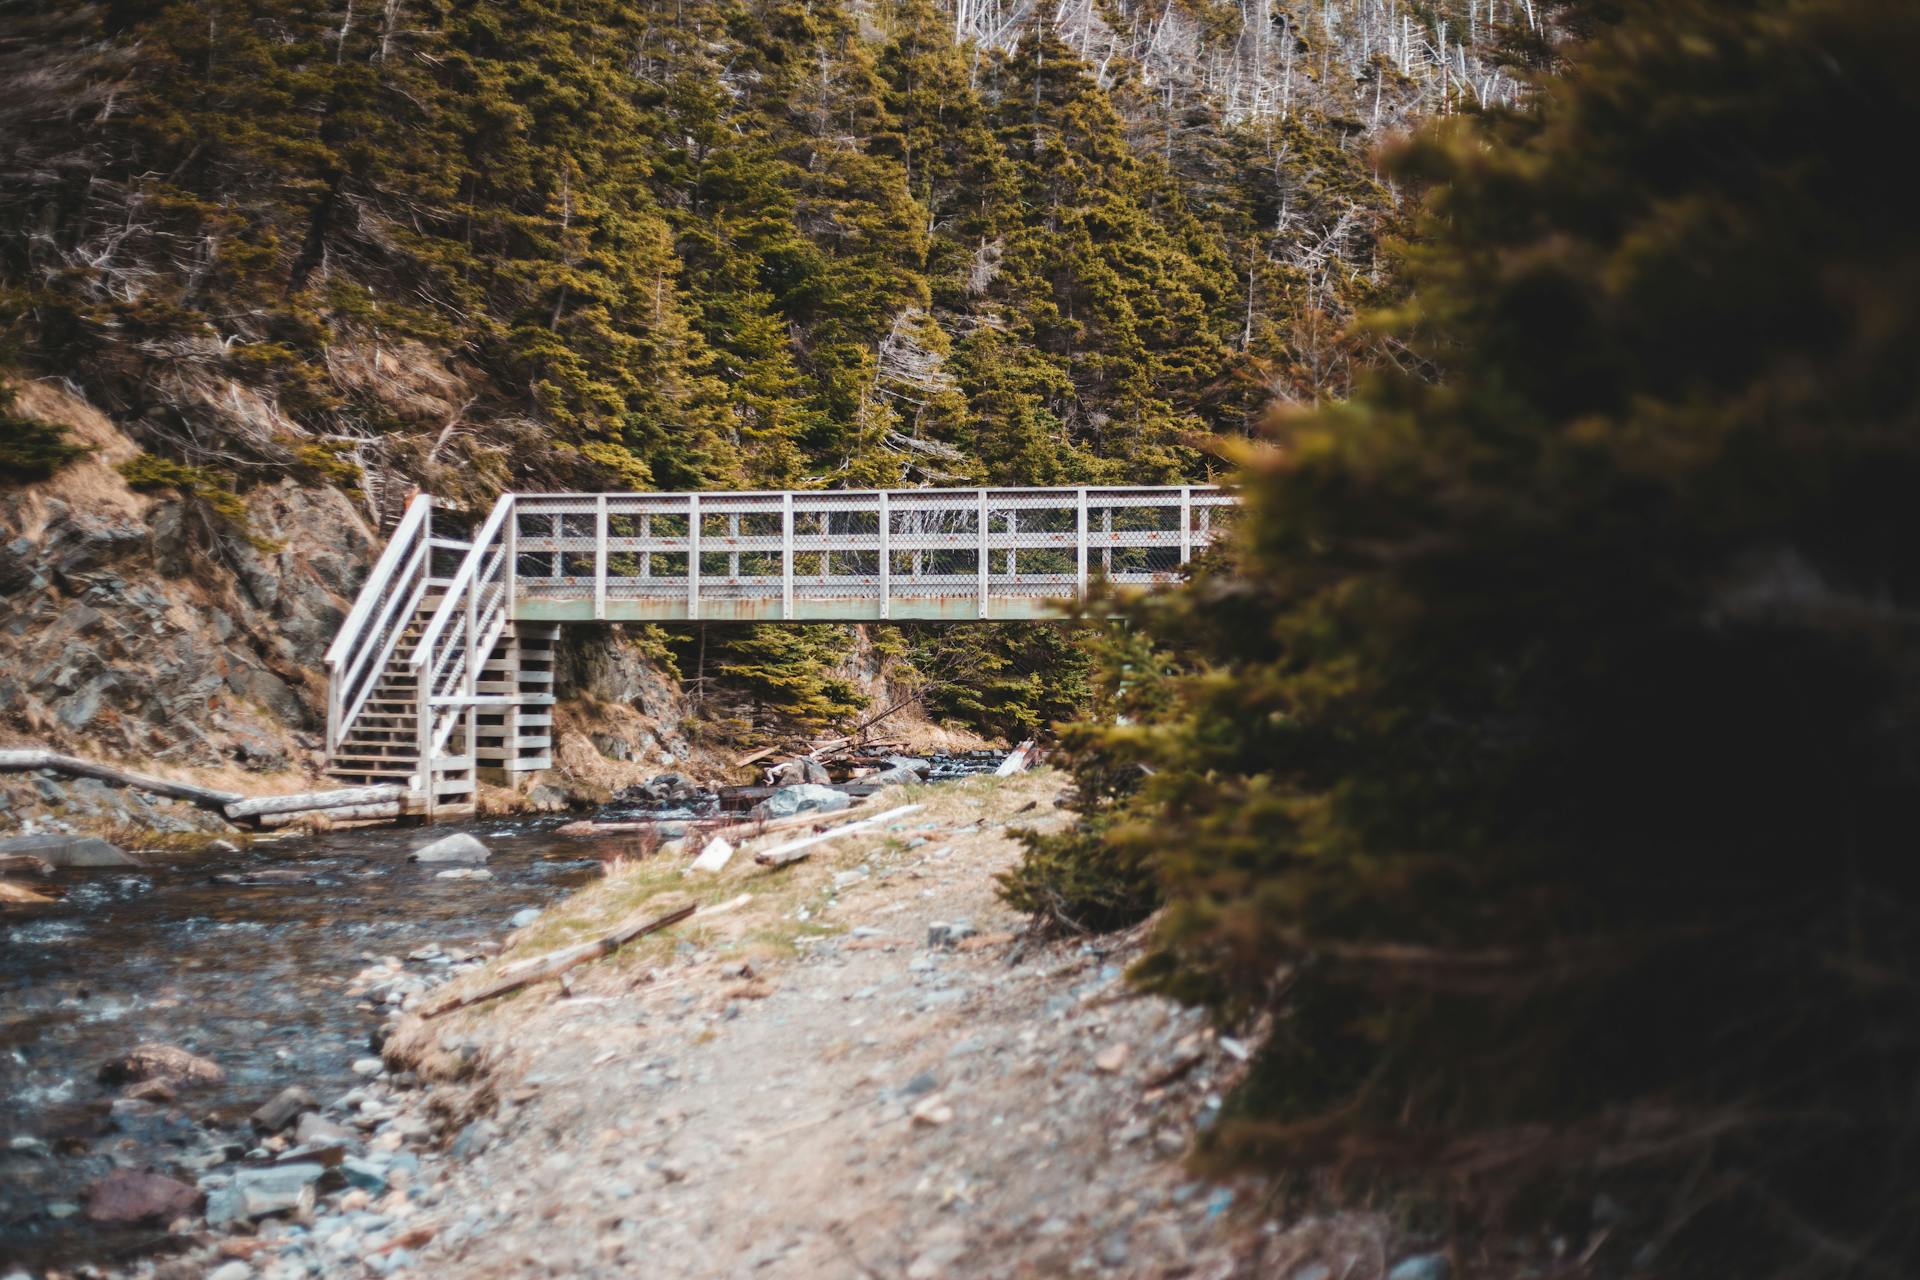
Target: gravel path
869 1105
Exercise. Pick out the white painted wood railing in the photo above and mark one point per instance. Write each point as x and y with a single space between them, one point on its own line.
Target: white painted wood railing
388 601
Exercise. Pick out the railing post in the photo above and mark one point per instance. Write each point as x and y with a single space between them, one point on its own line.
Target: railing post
510 555
600 557
1080 543
646 544
1186 523
982 522
693 557
786 556
1106 551
733 546
886 554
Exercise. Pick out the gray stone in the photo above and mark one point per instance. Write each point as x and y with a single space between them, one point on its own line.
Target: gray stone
523 917
804 798
235 1270
128 1196
797 771
896 776
283 1109
154 1061
458 847
947 934
315 1130
1422 1266
71 851
364 1174
260 1193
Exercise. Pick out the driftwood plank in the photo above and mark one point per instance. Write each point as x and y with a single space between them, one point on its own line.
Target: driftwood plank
559 962
345 813
73 766
336 798
794 850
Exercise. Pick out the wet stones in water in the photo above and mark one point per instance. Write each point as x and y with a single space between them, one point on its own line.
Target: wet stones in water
894 776
290 1103
457 848
71 851
668 791
804 798
255 878
129 1196
163 1062
260 1193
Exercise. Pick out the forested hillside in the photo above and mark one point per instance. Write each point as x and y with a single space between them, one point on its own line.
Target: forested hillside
742 243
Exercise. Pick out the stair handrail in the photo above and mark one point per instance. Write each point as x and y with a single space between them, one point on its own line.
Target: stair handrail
409 539
479 598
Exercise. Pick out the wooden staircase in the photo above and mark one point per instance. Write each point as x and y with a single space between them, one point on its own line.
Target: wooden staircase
431 680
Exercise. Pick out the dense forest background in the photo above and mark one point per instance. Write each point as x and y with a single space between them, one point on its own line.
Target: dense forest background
634 243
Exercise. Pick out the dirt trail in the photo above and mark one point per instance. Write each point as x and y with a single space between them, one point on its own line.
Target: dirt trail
804 1087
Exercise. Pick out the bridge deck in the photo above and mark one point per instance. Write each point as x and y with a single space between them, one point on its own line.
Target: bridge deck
845 556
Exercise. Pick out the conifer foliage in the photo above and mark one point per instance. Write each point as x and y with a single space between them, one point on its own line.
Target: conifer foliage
1540 774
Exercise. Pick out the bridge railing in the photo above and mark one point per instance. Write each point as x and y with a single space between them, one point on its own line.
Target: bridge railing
915 553
385 607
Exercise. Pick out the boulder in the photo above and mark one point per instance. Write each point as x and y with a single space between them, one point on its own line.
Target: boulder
154 1061
796 771
807 797
285 1107
893 777
459 847
129 1196
71 851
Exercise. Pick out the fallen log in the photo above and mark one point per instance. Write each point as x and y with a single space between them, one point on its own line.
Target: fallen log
346 813
794 850
558 962
18 864
19 895
14 761
753 756
338 798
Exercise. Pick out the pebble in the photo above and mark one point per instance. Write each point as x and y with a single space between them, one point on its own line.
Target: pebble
235 1270
1422 1266
368 1067
523 917
1111 1058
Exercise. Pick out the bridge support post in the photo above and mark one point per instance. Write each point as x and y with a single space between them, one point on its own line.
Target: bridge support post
786 556
886 554
982 524
600 558
1080 545
693 557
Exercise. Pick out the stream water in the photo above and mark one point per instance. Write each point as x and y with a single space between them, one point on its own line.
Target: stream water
251 977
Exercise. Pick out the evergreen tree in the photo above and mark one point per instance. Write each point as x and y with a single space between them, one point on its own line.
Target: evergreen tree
1542 768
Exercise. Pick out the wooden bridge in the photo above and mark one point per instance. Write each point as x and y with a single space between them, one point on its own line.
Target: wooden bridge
445 665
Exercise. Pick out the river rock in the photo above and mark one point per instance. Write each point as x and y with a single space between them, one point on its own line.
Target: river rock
523 917
315 1130
286 1107
1422 1266
260 1193
154 1061
459 847
797 771
71 851
805 798
895 776
128 1196
465 873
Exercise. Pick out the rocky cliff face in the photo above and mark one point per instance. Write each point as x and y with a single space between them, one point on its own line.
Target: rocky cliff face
126 633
